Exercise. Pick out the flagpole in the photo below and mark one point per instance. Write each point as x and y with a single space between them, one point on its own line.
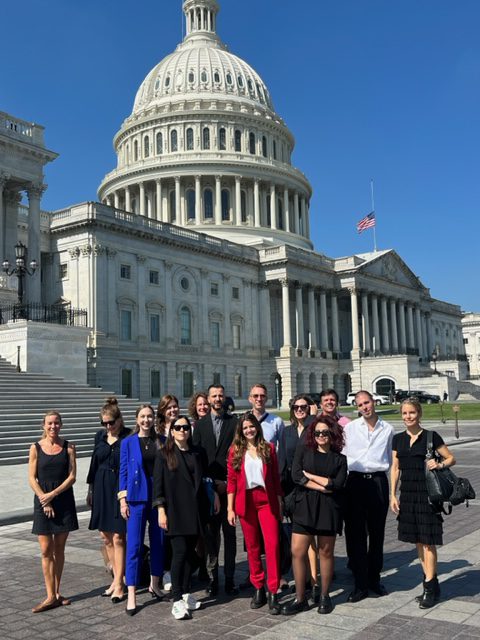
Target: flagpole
375 226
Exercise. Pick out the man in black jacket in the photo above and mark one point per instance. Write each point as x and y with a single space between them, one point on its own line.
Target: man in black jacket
215 433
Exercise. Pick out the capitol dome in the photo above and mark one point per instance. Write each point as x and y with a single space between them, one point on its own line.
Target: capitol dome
204 147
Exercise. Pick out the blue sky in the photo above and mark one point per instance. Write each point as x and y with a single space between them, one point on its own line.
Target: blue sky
381 89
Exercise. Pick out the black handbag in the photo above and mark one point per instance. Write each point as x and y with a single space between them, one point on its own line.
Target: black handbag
443 485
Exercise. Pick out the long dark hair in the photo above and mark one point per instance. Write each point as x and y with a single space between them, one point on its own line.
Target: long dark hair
337 440
168 450
240 442
299 396
153 433
162 407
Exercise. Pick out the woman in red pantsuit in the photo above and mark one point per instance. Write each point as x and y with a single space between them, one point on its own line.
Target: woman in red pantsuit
255 496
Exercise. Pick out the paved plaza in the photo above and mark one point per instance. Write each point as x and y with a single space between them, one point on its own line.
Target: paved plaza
395 616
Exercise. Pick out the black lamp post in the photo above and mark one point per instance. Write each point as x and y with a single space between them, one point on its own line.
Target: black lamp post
434 360
277 389
20 269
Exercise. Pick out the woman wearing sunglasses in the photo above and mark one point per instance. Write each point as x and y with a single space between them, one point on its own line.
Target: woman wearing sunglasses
319 471
102 493
137 459
179 493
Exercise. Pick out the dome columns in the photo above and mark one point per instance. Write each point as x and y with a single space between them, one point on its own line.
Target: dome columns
200 15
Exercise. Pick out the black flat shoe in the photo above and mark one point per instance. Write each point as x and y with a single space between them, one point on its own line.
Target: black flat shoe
378 589
212 588
357 595
131 612
293 607
230 588
325 605
155 594
259 599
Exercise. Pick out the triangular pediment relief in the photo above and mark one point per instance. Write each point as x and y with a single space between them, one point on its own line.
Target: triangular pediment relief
389 266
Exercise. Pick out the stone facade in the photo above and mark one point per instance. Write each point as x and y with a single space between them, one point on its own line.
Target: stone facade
471 339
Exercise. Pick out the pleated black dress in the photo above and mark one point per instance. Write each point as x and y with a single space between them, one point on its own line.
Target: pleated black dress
52 470
417 521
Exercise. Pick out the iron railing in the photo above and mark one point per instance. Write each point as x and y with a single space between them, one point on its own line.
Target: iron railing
50 313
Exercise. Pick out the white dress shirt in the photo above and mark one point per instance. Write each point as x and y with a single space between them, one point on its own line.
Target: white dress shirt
368 451
254 471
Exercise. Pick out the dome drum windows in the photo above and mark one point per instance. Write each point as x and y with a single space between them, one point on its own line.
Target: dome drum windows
189 136
204 76
191 77
173 140
229 79
251 143
225 196
206 138
216 77
238 140
135 150
264 147
190 199
159 143
222 139
208 204
146 147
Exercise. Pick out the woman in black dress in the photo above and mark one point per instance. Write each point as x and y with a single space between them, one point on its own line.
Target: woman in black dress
319 471
102 493
51 472
417 521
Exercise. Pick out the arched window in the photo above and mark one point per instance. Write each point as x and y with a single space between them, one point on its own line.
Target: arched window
185 326
191 77
225 204
167 81
238 140
146 147
159 143
204 76
243 206
208 204
173 207
280 214
189 139
222 139
206 138
135 150
264 146
324 381
251 142
216 77
190 196
173 140
274 149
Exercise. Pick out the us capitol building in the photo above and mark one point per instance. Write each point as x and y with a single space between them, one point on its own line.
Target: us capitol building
196 264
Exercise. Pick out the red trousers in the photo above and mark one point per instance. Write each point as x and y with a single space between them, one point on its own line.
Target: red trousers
259 521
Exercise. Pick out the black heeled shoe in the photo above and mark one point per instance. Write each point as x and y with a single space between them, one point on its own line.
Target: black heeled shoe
131 612
155 594
117 599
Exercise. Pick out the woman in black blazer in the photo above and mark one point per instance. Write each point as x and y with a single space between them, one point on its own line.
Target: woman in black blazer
319 471
184 504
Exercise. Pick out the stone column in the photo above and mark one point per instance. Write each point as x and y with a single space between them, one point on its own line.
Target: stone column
312 319
265 314
158 198
178 203
169 308
141 197
354 308
303 209
128 203
256 202
403 333
335 329
34 282
411 335
430 343
273 207
377 345
365 323
3 181
424 336
198 200
108 201
238 202
418 318
393 324
323 321
218 200
307 218
299 316
116 200
286 209
385 337
287 338
296 213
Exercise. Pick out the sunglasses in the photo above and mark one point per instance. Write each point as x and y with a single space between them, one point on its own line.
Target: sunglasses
300 407
258 395
181 427
108 423
324 433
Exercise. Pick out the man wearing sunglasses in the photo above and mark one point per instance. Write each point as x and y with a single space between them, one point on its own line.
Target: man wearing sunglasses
214 433
368 447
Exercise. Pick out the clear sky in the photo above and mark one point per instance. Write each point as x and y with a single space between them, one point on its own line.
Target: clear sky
382 89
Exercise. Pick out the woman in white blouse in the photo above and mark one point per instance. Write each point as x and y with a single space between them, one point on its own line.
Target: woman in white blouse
255 496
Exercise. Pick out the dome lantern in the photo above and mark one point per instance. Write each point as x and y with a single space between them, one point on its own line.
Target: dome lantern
201 16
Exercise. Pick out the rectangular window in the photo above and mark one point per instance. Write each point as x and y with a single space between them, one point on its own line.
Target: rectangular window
155 384
125 271
238 385
187 384
154 327
216 378
215 334
63 271
125 324
153 277
235 293
236 336
214 288
127 386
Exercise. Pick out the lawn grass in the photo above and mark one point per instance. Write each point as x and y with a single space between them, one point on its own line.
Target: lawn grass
468 411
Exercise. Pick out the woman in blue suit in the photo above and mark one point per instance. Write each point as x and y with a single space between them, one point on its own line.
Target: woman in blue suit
137 458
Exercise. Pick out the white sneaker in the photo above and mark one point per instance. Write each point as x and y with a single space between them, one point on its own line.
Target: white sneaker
180 611
191 602
167 581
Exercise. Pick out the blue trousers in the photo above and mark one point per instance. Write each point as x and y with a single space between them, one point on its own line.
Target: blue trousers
140 513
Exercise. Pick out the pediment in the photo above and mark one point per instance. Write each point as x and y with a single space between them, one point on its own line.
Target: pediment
389 266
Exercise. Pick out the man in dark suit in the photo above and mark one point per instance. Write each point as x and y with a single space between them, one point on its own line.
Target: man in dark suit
215 433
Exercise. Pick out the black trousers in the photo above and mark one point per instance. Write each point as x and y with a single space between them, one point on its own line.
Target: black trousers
219 523
365 516
183 556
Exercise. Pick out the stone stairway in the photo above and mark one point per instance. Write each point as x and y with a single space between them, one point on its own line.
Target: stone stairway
26 397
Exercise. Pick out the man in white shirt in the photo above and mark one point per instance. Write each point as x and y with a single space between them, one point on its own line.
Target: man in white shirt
368 447
273 427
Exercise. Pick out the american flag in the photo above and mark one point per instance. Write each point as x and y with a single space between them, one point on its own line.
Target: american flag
366 222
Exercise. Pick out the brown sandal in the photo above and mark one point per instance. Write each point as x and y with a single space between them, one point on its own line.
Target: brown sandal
46 605
64 601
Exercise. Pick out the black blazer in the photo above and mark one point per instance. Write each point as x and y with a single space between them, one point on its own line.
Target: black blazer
184 498
204 437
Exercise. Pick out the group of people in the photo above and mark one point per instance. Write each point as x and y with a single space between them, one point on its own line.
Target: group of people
191 477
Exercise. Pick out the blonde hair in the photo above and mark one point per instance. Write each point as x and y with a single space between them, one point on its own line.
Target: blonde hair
414 402
50 413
